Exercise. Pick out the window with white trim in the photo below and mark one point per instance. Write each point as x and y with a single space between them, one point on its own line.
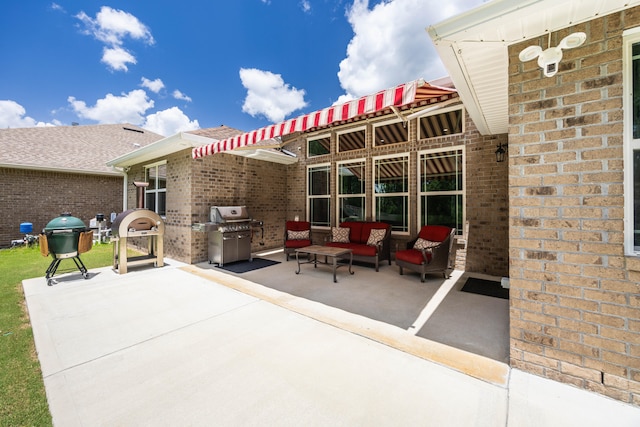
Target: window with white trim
391 191
156 193
390 132
351 139
444 122
631 108
319 195
318 145
441 180
351 190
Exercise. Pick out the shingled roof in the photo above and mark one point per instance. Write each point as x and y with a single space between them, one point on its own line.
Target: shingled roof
84 149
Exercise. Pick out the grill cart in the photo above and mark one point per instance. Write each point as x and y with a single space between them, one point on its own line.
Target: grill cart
65 237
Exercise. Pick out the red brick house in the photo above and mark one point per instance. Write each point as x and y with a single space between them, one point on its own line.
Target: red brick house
430 139
573 175
45 171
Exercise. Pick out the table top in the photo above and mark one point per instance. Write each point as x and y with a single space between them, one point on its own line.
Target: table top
324 250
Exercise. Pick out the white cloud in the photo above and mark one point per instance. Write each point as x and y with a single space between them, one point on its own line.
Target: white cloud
169 122
179 95
112 26
390 45
117 58
268 95
306 6
129 108
12 115
154 86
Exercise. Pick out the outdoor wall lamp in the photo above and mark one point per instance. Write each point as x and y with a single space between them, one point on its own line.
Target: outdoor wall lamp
549 58
501 152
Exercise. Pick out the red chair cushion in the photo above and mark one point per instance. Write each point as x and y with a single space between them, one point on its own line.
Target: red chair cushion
298 225
434 233
412 256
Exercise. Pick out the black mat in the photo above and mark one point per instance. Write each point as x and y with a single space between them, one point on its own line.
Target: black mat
244 266
485 287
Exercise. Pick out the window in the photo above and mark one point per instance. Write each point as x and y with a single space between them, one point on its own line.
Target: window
319 195
391 191
351 190
352 139
631 108
390 133
156 192
318 145
442 123
441 180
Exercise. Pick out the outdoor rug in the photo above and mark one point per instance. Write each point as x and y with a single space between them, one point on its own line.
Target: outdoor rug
244 266
485 287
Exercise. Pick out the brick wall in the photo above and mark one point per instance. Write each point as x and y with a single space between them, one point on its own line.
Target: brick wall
486 180
193 186
40 196
575 309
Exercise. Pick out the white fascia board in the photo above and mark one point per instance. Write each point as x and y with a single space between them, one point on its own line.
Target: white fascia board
163 147
58 170
458 25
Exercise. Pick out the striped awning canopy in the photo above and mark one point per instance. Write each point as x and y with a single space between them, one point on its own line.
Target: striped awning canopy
404 94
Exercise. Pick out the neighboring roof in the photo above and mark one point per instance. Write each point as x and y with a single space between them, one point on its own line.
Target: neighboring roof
402 96
173 144
78 149
473 47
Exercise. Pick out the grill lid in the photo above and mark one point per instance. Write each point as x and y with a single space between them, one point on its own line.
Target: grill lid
65 222
221 214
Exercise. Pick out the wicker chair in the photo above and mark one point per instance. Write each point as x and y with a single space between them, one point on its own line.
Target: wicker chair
297 234
429 252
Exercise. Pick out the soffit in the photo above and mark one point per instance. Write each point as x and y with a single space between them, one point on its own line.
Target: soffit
473 47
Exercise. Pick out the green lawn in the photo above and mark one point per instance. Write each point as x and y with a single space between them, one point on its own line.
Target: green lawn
22 397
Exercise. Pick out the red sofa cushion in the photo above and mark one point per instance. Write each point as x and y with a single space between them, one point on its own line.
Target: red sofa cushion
434 233
358 248
297 243
412 256
360 230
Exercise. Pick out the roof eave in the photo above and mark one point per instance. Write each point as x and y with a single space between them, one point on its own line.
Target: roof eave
58 170
164 147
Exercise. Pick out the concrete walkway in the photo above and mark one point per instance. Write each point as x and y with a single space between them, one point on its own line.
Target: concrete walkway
167 347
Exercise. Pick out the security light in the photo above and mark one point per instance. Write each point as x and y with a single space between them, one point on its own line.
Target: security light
549 58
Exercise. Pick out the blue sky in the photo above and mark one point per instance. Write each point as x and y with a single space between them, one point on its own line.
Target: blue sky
172 66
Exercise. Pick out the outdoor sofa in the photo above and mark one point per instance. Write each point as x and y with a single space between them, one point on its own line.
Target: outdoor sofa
370 241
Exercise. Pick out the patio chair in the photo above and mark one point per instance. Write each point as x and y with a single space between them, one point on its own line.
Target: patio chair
297 234
429 252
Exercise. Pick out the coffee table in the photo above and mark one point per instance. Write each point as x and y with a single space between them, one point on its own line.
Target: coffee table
327 252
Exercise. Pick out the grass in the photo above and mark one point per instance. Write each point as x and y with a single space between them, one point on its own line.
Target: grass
22 395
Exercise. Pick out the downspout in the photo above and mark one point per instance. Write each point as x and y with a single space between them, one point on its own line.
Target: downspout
125 181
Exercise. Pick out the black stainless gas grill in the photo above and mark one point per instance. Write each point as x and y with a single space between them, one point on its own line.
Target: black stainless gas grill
229 234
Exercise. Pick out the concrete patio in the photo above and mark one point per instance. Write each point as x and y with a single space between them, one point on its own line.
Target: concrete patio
192 345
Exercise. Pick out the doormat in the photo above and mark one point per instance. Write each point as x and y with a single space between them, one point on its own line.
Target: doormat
485 287
244 266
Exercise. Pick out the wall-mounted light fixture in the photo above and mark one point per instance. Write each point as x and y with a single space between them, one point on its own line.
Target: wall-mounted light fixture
549 58
501 152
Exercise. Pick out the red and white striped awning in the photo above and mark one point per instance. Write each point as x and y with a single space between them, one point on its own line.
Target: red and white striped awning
406 93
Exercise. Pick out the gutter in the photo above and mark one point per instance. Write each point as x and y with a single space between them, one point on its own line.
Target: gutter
57 170
163 147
